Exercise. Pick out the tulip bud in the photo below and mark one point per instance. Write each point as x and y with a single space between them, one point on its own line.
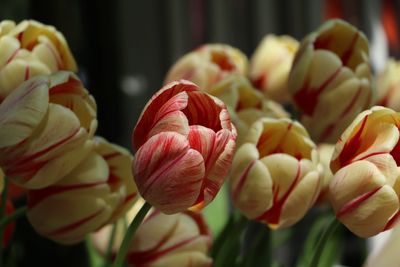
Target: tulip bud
364 191
330 81
185 143
29 49
245 103
270 66
97 192
45 129
181 239
208 64
388 85
275 176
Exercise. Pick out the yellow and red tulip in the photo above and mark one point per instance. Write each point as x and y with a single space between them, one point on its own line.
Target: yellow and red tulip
364 191
388 86
45 129
330 81
276 177
185 143
97 192
30 48
270 66
208 64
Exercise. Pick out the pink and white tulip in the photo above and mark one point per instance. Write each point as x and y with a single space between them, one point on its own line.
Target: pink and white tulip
185 143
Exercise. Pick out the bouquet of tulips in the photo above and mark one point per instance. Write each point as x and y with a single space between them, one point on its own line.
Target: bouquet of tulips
292 132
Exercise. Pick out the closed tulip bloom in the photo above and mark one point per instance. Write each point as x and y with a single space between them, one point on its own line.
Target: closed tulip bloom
97 192
275 176
270 66
364 191
45 129
185 143
388 86
208 64
245 103
330 81
30 48
181 239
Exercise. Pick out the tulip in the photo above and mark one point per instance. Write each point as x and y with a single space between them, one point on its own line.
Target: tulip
325 152
364 191
45 129
275 176
245 103
208 64
29 49
330 81
97 192
185 143
181 239
388 86
270 66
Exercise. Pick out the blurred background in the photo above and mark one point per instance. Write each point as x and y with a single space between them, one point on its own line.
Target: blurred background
124 49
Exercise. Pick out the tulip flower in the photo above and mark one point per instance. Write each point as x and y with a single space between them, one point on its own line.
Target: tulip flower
364 191
181 239
270 66
208 64
185 143
45 129
388 86
275 176
325 152
245 103
97 192
29 49
330 81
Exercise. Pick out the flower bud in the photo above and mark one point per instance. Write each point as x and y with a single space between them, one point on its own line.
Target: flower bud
364 191
30 48
45 129
275 176
208 64
97 192
330 81
185 143
181 239
388 86
245 103
270 66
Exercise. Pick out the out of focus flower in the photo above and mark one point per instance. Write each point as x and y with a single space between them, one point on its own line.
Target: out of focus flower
325 152
245 103
208 64
181 239
330 81
270 66
29 49
45 129
276 177
97 192
388 86
185 143
364 191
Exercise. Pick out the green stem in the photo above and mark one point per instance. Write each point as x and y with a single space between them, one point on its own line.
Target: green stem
123 250
260 253
224 257
12 217
322 242
110 245
223 236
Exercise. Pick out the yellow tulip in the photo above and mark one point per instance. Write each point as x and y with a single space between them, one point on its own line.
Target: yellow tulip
30 48
330 81
270 66
275 176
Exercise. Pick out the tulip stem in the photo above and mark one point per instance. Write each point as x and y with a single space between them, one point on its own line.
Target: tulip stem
107 257
123 250
219 242
13 216
322 242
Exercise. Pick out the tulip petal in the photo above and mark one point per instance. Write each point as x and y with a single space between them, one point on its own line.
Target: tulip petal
168 172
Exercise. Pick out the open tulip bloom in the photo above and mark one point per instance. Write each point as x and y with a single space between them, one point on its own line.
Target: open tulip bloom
318 154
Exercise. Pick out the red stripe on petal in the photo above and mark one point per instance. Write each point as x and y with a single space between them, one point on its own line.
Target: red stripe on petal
242 180
355 203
